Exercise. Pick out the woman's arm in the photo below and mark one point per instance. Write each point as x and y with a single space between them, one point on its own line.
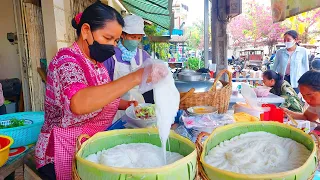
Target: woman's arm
310 116
292 100
295 115
307 115
92 98
124 104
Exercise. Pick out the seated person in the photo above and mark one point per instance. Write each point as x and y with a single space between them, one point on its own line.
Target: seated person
309 86
282 88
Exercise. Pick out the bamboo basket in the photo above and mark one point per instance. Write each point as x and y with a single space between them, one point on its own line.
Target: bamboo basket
305 172
184 169
218 98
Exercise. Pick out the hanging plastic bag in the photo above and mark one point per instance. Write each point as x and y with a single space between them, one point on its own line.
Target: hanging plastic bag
154 71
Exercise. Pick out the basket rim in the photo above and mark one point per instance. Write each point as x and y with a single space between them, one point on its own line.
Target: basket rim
136 170
8 146
21 127
259 176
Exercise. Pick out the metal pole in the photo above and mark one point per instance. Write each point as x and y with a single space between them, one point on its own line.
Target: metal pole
206 32
214 23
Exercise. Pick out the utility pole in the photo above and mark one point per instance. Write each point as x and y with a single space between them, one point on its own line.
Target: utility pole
219 21
206 32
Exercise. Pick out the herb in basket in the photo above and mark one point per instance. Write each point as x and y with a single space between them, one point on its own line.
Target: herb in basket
14 122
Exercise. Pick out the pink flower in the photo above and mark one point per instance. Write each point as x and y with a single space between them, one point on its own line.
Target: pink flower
78 18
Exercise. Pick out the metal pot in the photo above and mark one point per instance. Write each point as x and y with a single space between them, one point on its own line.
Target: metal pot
200 86
190 76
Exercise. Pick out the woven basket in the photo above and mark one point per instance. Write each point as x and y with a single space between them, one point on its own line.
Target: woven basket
23 135
306 171
184 169
218 98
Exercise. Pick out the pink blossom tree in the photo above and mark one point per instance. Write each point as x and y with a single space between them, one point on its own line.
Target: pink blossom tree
255 26
306 24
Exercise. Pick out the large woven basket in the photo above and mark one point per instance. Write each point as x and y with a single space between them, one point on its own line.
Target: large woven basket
184 169
218 98
305 172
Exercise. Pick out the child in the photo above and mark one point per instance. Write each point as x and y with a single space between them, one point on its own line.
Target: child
282 88
309 86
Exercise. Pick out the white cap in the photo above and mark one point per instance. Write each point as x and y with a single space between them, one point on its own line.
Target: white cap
133 24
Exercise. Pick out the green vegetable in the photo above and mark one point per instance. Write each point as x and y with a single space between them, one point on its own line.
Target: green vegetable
6 102
146 112
14 122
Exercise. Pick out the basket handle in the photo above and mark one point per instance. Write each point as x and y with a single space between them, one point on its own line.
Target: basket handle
79 139
201 173
219 76
188 94
75 174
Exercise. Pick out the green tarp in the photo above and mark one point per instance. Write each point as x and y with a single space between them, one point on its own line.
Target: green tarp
156 11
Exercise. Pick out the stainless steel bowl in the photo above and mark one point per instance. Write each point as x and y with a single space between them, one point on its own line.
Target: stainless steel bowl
190 76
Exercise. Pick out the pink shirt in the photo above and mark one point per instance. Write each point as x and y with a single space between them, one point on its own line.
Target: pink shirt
68 73
289 61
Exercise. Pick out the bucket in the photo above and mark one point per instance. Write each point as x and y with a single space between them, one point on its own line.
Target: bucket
184 168
306 171
274 114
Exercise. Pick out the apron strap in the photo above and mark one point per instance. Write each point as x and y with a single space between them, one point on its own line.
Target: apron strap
140 57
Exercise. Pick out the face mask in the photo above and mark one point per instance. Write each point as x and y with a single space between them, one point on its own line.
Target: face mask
289 44
131 45
100 52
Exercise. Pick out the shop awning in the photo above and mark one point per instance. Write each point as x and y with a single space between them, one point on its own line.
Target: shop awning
156 11
282 9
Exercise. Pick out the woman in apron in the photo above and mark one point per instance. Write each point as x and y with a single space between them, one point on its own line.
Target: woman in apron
309 86
80 97
128 57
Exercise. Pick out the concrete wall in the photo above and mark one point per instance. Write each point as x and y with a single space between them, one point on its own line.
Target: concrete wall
57 16
9 58
59 33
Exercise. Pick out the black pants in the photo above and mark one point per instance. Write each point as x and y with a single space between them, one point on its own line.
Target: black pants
47 172
287 78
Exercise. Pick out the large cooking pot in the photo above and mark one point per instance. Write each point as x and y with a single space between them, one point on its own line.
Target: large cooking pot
200 86
187 79
189 75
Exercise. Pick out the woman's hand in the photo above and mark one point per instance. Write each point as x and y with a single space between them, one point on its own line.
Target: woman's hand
156 73
295 115
124 104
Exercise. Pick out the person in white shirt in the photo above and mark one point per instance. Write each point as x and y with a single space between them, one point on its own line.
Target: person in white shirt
309 85
291 62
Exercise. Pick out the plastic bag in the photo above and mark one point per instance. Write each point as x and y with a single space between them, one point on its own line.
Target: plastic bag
154 71
206 123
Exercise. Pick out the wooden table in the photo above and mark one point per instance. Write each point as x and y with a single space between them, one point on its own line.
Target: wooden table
14 163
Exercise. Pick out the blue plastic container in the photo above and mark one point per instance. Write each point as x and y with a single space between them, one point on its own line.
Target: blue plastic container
23 135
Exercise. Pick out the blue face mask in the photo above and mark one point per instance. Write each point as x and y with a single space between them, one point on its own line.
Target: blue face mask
131 45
